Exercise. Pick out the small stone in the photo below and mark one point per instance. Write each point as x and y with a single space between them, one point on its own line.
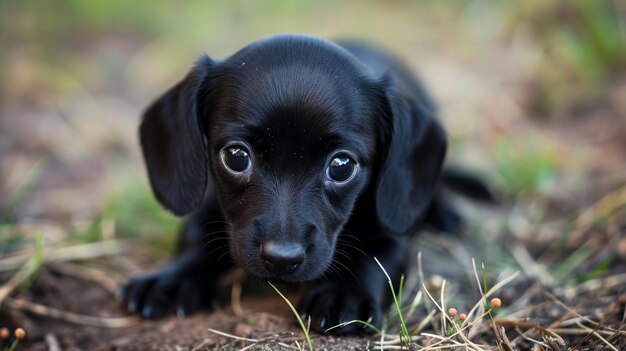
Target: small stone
243 330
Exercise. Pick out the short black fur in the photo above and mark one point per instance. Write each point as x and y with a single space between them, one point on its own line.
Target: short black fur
293 103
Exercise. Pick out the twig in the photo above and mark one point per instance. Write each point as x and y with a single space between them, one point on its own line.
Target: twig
253 341
27 270
598 325
15 281
119 322
88 274
597 335
604 283
70 253
235 299
531 267
52 342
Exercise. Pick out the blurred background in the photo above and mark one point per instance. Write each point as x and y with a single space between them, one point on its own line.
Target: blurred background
532 93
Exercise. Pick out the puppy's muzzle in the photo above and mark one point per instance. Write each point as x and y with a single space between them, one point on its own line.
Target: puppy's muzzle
282 258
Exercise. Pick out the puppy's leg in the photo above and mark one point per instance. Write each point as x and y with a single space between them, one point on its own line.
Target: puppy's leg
358 288
188 282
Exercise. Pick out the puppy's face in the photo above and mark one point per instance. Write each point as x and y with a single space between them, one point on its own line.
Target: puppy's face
291 132
291 148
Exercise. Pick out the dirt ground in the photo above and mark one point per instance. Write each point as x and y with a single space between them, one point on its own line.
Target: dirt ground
64 290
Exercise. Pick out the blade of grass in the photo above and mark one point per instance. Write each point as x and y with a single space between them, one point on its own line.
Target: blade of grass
404 331
355 321
484 282
27 272
293 309
29 180
400 288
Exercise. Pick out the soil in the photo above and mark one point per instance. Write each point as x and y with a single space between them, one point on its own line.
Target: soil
267 318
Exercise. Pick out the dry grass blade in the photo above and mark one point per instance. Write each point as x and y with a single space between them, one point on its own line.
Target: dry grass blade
503 340
235 300
424 322
231 336
254 342
53 342
442 311
597 335
420 274
86 273
609 282
479 306
529 339
604 207
343 324
416 301
70 253
444 315
27 270
44 311
552 339
573 312
382 335
531 267
438 345
15 281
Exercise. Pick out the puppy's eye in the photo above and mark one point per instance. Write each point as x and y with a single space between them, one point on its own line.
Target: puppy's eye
341 168
236 158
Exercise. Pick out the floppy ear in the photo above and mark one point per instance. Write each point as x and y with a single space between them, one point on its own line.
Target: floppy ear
173 142
416 146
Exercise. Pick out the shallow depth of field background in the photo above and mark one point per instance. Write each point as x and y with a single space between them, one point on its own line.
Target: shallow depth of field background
532 93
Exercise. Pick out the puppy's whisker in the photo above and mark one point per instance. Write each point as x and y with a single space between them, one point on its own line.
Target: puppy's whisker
213 222
332 273
219 257
346 234
223 254
204 236
217 249
353 247
346 269
344 254
215 239
206 243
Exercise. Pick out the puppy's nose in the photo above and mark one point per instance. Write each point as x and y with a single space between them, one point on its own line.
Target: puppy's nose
282 258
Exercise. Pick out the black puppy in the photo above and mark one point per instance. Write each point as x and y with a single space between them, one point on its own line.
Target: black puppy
299 160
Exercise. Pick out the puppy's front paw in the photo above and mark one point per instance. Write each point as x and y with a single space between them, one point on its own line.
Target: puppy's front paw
330 305
158 294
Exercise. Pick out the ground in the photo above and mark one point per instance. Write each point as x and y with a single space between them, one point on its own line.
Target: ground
543 122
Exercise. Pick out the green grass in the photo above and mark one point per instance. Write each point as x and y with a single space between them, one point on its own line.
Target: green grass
526 166
13 345
305 330
27 183
11 239
33 265
583 45
404 332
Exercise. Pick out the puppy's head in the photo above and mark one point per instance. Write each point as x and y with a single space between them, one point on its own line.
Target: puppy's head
292 132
